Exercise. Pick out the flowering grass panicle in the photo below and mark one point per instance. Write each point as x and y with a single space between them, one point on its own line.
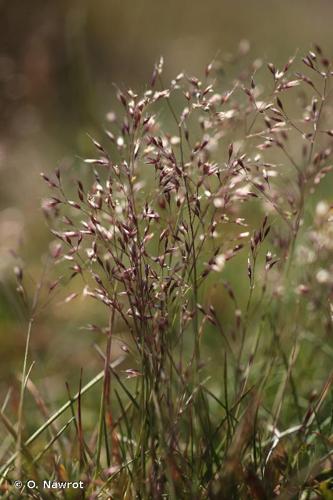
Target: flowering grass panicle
193 226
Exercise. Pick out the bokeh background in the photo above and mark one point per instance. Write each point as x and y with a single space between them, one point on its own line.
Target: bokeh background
58 62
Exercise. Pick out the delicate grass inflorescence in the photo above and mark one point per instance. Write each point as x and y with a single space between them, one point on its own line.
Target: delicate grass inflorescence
194 187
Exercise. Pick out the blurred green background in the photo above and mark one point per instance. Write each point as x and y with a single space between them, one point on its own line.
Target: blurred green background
58 62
